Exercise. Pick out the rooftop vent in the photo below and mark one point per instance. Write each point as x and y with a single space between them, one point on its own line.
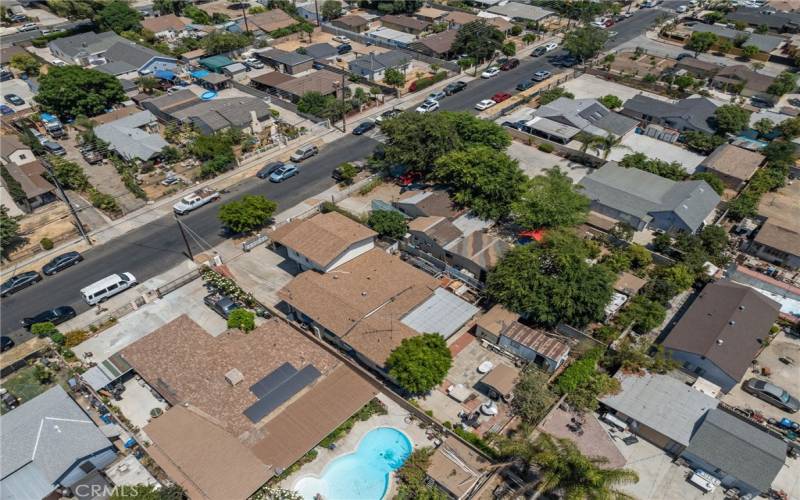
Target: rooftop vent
363 294
234 376
731 322
720 341
741 308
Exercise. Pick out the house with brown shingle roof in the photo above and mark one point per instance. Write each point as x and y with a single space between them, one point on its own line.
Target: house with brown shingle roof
733 165
354 23
457 19
36 188
722 332
166 26
437 45
324 242
211 441
406 24
753 84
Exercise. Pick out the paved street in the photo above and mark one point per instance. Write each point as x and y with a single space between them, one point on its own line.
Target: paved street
156 247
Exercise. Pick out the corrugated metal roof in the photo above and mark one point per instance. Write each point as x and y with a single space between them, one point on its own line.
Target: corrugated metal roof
537 340
443 313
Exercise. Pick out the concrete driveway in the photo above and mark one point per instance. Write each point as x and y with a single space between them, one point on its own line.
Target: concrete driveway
20 88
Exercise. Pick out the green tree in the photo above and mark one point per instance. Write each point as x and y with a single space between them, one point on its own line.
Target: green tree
331 9
478 40
583 384
683 82
388 223
347 172
394 77
730 118
9 232
551 200
70 91
673 170
508 49
45 329
640 257
712 179
748 51
220 42
118 16
644 314
538 281
784 83
611 101
69 174
247 214
585 42
764 126
779 152
790 128
242 319
148 84
27 63
532 396
420 363
313 103
196 15
484 179
412 477
550 95
701 41
164 7
604 144
702 142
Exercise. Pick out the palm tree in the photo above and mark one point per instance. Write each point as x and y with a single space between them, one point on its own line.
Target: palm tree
605 144
564 470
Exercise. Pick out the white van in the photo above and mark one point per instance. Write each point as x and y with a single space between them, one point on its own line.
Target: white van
107 287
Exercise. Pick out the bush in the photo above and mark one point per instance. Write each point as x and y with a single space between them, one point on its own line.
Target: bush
348 172
388 223
46 243
58 338
242 319
476 441
45 329
546 147
423 83
75 337
104 202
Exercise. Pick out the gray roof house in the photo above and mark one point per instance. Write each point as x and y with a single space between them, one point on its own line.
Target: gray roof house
290 63
739 454
126 57
81 48
208 116
131 136
520 11
372 66
643 399
644 200
564 118
321 51
47 443
782 22
694 113
765 43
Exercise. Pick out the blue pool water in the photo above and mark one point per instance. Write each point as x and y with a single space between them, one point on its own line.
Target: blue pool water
363 475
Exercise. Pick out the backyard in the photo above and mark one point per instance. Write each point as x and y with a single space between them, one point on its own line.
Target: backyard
27 383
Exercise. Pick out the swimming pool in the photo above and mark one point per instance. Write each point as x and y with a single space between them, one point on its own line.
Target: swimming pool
364 474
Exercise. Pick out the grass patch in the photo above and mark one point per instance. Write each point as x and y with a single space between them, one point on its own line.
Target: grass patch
24 385
368 187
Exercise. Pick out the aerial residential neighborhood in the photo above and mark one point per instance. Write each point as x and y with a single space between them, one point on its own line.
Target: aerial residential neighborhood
409 249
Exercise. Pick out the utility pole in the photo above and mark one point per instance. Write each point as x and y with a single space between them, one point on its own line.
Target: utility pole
344 113
72 210
316 11
183 235
244 13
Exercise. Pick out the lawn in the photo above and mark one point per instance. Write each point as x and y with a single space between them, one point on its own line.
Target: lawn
24 386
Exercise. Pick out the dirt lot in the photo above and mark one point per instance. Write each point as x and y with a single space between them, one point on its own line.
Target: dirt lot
51 221
782 375
629 63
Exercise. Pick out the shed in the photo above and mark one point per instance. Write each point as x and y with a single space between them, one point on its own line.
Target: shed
501 381
215 63
290 63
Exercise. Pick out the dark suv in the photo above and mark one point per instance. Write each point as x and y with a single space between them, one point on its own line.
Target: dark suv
18 282
55 316
455 87
269 169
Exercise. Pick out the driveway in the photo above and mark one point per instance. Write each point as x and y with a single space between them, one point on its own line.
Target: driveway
534 162
20 88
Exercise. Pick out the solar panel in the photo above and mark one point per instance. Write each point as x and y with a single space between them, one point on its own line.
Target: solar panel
272 380
282 393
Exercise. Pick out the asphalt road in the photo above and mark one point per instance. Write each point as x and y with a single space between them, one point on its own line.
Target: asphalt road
152 249
156 247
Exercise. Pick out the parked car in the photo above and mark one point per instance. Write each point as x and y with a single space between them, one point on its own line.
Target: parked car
55 316
285 172
436 96
269 169
794 102
6 343
541 76
61 262
500 97
170 180
6 75
567 61
455 87
510 64
551 46
14 99
304 153
221 304
525 85
344 49
387 115
681 9
485 104
364 127
5 110
772 394
253 63
427 107
58 62
491 72
760 103
539 51
683 55
28 27
54 148
18 282
195 200
612 34
341 39
517 125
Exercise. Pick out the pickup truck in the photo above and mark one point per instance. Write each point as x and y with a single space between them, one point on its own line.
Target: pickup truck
195 200
220 304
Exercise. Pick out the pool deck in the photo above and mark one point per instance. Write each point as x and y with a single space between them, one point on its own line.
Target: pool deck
395 418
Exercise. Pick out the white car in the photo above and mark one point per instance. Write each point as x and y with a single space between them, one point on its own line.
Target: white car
681 9
428 107
341 39
551 46
485 104
490 72
58 62
28 27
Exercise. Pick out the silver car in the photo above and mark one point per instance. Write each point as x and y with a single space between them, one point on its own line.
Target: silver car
772 394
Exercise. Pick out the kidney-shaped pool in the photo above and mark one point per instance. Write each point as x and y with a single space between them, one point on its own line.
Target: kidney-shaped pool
364 474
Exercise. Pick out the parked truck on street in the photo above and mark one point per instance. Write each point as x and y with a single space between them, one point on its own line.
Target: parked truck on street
195 200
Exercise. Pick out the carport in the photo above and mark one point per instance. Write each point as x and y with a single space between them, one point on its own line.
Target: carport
106 372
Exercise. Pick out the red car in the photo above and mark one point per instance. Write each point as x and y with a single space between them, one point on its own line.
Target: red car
501 96
609 23
510 64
